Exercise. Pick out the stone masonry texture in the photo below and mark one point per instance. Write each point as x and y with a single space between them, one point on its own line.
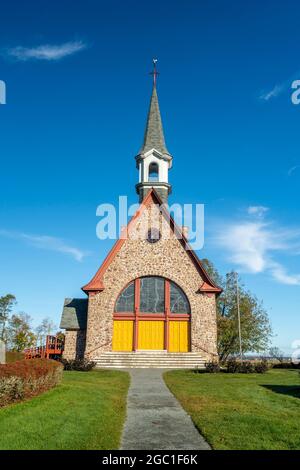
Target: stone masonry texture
137 257
74 344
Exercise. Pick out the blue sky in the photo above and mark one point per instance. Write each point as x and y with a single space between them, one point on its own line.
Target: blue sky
77 95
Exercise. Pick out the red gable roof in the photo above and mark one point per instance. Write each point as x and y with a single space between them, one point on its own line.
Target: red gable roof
96 284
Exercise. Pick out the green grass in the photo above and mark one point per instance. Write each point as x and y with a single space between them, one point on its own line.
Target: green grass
240 411
86 411
13 356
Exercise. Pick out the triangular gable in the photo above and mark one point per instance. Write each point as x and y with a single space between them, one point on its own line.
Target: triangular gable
96 284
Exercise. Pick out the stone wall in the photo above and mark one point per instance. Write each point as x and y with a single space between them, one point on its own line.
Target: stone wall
166 258
74 344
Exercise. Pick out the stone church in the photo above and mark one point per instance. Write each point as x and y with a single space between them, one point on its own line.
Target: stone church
151 303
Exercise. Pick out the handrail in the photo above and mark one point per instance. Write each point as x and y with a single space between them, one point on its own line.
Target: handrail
53 346
97 347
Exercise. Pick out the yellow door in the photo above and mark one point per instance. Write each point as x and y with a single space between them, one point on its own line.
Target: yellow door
151 334
123 335
178 336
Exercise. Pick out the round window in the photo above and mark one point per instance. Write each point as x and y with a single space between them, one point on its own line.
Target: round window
153 235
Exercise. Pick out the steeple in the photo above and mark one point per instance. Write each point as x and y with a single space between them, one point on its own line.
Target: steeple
154 134
154 159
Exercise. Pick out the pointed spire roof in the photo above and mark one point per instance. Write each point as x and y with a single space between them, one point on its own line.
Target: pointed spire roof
154 134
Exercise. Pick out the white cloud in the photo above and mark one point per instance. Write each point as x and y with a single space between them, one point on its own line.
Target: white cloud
276 90
46 51
279 273
292 169
46 242
253 245
259 211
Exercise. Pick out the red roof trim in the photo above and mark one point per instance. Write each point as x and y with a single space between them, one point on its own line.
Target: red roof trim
96 284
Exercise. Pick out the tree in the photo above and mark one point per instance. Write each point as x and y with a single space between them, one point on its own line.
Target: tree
60 335
6 305
276 353
255 325
19 332
47 327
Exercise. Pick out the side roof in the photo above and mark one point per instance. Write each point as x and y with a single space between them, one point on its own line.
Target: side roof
74 315
96 283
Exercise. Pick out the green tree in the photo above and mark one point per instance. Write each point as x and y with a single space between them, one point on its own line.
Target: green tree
7 303
276 353
60 335
19 332
47 327
255 325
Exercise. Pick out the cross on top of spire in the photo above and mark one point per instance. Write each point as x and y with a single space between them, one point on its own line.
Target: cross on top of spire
155 73
154 135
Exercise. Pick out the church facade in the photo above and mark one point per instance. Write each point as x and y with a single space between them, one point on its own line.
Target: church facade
151 294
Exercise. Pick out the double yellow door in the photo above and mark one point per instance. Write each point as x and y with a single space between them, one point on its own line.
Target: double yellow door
178 336
151 335
123 335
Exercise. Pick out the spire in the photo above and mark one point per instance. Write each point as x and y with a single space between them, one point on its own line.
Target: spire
154 160
154 134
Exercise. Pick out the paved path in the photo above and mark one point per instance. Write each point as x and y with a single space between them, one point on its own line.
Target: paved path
155 419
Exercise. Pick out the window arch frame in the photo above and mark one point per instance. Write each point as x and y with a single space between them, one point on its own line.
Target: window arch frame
154 179
165 315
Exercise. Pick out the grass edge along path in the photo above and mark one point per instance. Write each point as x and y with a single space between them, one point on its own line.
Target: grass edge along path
87 411
242 411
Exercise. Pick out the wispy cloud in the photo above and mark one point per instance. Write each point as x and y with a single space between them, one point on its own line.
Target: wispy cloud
279 274
292 169
259 211
273 93
253 245
278 89
49 52
46 242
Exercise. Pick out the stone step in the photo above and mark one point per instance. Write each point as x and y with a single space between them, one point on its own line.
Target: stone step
150 363
139 354
155 365
122 364
150 359
165 366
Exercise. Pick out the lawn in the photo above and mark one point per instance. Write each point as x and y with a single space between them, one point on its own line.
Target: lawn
86 411
13 356
240 411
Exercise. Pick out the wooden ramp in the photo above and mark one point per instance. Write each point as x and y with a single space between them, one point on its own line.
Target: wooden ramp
53 349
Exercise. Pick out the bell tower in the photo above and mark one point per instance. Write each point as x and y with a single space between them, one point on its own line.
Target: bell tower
154 160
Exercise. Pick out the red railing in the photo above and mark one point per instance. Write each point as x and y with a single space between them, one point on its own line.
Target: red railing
54 347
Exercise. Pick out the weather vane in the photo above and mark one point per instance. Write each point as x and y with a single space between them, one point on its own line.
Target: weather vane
155 72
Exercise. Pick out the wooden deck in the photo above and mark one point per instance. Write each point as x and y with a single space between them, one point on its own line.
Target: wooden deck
51 350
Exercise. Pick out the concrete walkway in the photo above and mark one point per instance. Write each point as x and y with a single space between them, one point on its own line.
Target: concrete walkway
155 419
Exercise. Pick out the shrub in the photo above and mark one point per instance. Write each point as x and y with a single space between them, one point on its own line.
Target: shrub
23 379
82 365
212 367
11 389
260 367
246 367
232 366
286 365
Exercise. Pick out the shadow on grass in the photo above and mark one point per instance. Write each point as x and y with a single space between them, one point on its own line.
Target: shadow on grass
292 390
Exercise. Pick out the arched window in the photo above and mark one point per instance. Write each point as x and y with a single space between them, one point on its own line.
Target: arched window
153 172
152 295
152 298
178 300
125 302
